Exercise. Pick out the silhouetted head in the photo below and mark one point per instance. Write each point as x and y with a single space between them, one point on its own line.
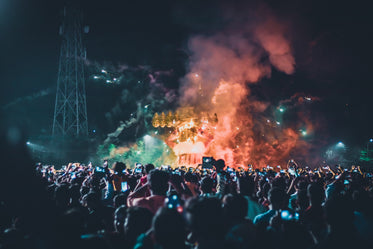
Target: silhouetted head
219 165
119 167
235 208
119 218
315 193
278 198
169 228
205 218
339 212
92 200
278 182
158 181
246 186
148 167
120 200
138 221
207 185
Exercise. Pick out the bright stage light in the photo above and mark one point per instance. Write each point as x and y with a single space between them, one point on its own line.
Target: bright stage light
147 138
28 143
340 145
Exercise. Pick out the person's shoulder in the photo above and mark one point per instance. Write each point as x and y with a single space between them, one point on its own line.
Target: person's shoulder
148 199
258 218
264 215
140 201
156 198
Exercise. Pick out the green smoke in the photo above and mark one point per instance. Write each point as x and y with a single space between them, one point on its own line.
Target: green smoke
145 150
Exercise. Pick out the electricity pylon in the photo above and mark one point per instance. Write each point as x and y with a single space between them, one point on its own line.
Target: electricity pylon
70 112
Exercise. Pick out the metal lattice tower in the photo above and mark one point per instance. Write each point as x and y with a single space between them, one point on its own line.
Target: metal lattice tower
70 113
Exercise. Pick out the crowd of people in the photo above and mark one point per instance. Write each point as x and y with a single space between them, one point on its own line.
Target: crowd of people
148 207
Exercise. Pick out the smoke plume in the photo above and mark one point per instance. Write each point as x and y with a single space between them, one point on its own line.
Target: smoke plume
222 68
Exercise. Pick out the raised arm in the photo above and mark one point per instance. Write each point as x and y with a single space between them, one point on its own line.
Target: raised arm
139 193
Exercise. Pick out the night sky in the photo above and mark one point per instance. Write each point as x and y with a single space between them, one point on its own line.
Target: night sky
330 40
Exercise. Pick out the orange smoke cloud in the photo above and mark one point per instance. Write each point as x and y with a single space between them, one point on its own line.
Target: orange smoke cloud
221 68
215 59
270 36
